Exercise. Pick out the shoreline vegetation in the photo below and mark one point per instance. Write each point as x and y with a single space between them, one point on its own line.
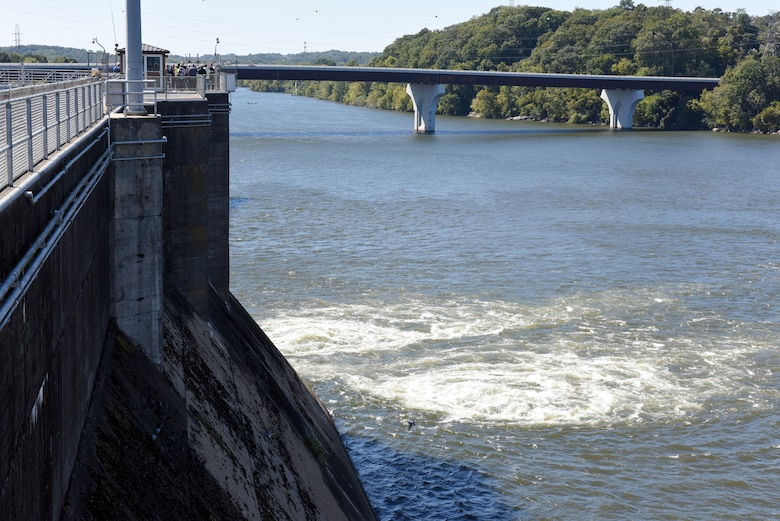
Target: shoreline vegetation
627 39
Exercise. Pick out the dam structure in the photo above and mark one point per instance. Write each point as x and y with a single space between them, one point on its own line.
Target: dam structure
134 385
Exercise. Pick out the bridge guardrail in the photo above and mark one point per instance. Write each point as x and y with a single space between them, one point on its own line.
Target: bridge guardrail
39 124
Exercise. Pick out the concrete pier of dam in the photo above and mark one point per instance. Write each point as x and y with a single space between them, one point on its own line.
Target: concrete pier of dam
133 384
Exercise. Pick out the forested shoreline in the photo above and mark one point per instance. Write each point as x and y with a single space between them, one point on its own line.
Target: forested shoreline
627 39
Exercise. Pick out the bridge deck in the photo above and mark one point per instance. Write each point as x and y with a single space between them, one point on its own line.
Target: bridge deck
446 76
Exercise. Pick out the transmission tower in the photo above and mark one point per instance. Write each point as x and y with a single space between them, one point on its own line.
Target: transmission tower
17 39
771 44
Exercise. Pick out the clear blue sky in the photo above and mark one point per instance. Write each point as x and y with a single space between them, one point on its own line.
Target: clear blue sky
192 27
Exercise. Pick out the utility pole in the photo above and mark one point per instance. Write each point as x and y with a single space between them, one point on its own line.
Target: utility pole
769 49
135 62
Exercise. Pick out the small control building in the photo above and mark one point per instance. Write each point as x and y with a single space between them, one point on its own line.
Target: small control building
154 59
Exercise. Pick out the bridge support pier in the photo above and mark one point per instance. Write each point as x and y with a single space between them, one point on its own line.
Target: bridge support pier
621 105
425 99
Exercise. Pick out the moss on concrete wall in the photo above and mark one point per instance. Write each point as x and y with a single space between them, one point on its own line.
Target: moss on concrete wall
226 430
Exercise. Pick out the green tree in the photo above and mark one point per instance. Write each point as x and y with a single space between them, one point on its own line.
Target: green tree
357 93
768 120
486 104
744 92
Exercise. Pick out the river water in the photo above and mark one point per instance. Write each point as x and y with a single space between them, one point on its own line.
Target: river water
580 323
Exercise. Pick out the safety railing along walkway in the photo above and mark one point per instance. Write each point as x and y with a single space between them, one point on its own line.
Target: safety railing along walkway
165 88
35 126
23 74
39 120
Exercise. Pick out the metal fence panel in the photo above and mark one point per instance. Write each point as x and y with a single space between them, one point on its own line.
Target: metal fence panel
35 126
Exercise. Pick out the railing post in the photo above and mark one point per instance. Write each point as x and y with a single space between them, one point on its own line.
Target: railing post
28 106
91 96
67 116
45 115
9 140
84 108
76 111
58 119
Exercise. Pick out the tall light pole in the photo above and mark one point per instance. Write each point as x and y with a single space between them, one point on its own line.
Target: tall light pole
105 56
135 64
216 59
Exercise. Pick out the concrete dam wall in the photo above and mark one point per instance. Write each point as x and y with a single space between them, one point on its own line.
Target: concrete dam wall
133 384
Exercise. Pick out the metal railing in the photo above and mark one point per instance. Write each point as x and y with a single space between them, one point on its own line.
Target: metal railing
38 120
222 82
167 87
119 94
36 125
24 74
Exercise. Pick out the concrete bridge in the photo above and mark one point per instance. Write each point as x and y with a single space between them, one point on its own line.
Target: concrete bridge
426 86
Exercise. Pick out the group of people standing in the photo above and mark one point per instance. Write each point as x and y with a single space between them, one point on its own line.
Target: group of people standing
190 69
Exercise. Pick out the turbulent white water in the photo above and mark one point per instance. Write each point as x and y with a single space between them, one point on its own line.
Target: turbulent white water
581 324
566 363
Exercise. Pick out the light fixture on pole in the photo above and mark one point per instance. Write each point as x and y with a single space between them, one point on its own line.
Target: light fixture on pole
105 56
216 59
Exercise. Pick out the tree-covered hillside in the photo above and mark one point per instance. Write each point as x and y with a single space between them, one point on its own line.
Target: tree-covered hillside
627 39
41 54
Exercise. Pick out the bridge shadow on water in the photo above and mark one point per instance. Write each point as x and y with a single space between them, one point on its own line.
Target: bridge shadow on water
405 487
318 133
406 133
524 131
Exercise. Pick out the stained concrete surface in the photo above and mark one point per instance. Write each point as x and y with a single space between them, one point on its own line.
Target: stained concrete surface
227 430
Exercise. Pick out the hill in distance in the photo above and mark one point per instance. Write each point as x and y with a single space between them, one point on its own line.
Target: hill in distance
333 57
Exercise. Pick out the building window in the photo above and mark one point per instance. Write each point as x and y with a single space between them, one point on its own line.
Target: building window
153 65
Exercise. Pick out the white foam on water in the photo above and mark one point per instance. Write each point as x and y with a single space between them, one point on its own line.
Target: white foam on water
578 361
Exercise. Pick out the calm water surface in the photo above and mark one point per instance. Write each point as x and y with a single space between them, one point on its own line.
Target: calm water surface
581 323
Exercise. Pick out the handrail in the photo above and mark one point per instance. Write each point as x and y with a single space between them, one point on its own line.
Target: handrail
163 88
23 74
43 118
16 283
34 126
